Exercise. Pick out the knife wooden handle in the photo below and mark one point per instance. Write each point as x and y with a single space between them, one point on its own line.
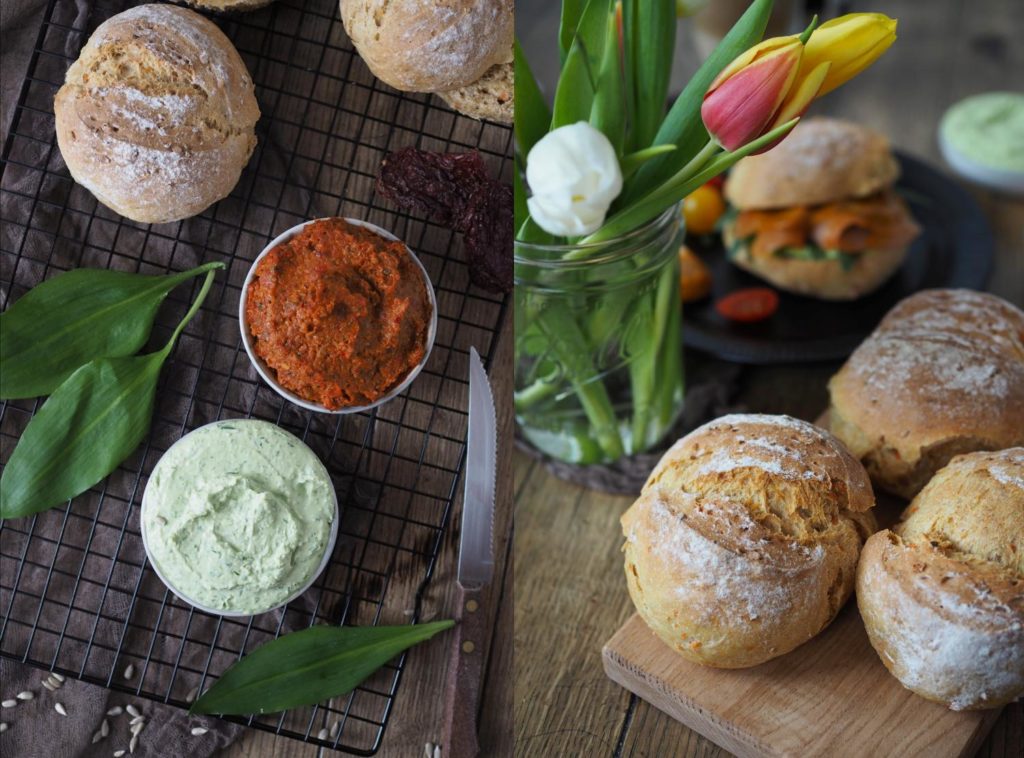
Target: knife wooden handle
465 672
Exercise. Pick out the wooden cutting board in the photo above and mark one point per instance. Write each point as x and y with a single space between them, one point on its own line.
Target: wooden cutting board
830 697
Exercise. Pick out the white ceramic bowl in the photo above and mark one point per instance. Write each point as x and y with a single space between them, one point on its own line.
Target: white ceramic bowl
268 374
328 550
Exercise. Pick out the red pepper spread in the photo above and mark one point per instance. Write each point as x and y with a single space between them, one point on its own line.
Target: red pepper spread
339 313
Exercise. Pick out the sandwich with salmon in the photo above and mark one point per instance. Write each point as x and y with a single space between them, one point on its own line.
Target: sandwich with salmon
817 215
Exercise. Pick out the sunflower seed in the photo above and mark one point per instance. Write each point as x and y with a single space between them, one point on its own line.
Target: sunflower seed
3 727
437 751
53 680
105 728
57 676
118 753
49 685
9 703
133 743
138 727
191 696
322 734
115 711
132 710
96 737
199 731
136 720
60 709
130 671
26 695
335 729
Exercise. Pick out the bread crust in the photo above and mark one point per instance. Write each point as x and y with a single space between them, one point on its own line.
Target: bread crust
430 45
491 97
823 160
156 117
823 279
229 6
744 541
942 596
943 374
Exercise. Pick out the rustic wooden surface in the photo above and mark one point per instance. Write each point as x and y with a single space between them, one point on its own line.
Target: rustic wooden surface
570 596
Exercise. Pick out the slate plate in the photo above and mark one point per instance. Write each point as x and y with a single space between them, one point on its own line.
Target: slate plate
955 250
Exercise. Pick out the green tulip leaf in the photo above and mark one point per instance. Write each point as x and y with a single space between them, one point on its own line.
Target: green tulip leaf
532 115
654 39
577 83
309 666
67 321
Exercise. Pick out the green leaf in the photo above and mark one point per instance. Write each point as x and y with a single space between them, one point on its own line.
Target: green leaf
571 11
677 187
608 112
654 36
67 321
532 115
91 422
682 126
576 85
520 211
307 667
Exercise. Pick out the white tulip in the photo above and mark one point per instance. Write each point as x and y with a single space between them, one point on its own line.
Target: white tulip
574 176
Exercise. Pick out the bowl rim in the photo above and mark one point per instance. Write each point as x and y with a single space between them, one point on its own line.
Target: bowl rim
178 592
265 372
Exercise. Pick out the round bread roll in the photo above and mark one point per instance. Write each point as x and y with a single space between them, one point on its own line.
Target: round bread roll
490 97
744 542
942 595
823 160
430 45
943 374
229 5
156 117
823 279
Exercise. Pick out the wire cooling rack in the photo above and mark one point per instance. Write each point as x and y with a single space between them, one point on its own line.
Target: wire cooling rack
76 593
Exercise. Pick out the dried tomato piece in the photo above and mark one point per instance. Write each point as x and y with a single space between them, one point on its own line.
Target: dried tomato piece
455 190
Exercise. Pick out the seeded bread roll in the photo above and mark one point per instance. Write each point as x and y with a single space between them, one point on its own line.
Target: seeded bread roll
429 45
942 595
942 374
156 117
823 160
744 542
491 97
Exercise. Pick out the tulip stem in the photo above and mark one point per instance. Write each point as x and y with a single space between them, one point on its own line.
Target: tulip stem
806 35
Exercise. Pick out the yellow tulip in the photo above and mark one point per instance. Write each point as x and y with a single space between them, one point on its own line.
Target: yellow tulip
850 43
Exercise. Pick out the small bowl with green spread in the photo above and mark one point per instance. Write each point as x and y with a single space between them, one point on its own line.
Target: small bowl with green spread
239 517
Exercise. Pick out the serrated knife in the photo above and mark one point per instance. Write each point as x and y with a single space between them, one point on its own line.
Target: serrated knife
476 568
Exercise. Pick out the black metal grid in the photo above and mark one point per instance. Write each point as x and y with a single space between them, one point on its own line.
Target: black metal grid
76 594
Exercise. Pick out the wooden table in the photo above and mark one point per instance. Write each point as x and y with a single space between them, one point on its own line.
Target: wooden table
570 595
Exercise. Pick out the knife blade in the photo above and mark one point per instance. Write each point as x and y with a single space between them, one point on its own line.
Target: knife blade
475 569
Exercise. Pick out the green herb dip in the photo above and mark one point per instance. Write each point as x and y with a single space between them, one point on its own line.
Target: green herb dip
988 129
237 515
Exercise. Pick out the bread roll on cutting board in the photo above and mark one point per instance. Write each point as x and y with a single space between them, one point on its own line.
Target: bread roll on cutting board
942 374
430 45
942 594
156 117
744 542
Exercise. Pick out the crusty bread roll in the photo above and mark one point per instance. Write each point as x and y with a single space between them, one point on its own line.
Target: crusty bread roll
229 5
823 160
156 117
824 279
942 374
491 97
942 595
744 542
430 45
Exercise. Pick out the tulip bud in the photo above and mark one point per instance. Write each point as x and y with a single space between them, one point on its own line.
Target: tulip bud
574 175
850 43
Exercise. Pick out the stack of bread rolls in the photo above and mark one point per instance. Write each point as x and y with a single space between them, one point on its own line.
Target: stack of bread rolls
459 49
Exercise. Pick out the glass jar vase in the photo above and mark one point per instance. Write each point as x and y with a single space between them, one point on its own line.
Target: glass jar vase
598 354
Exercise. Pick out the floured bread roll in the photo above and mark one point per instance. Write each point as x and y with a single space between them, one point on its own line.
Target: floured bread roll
744 542
943 374
229 5
942 594
156 117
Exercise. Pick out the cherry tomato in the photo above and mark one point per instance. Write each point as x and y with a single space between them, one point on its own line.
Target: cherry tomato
694 276
702 208
717 181
748 305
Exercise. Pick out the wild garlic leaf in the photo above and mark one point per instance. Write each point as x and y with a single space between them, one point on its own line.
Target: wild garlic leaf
91 422
309 666
82 314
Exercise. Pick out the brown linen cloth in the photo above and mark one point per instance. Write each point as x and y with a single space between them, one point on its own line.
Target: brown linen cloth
34 728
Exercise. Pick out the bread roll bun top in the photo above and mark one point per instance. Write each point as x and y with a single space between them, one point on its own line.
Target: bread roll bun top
790 476
822 160
973 509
